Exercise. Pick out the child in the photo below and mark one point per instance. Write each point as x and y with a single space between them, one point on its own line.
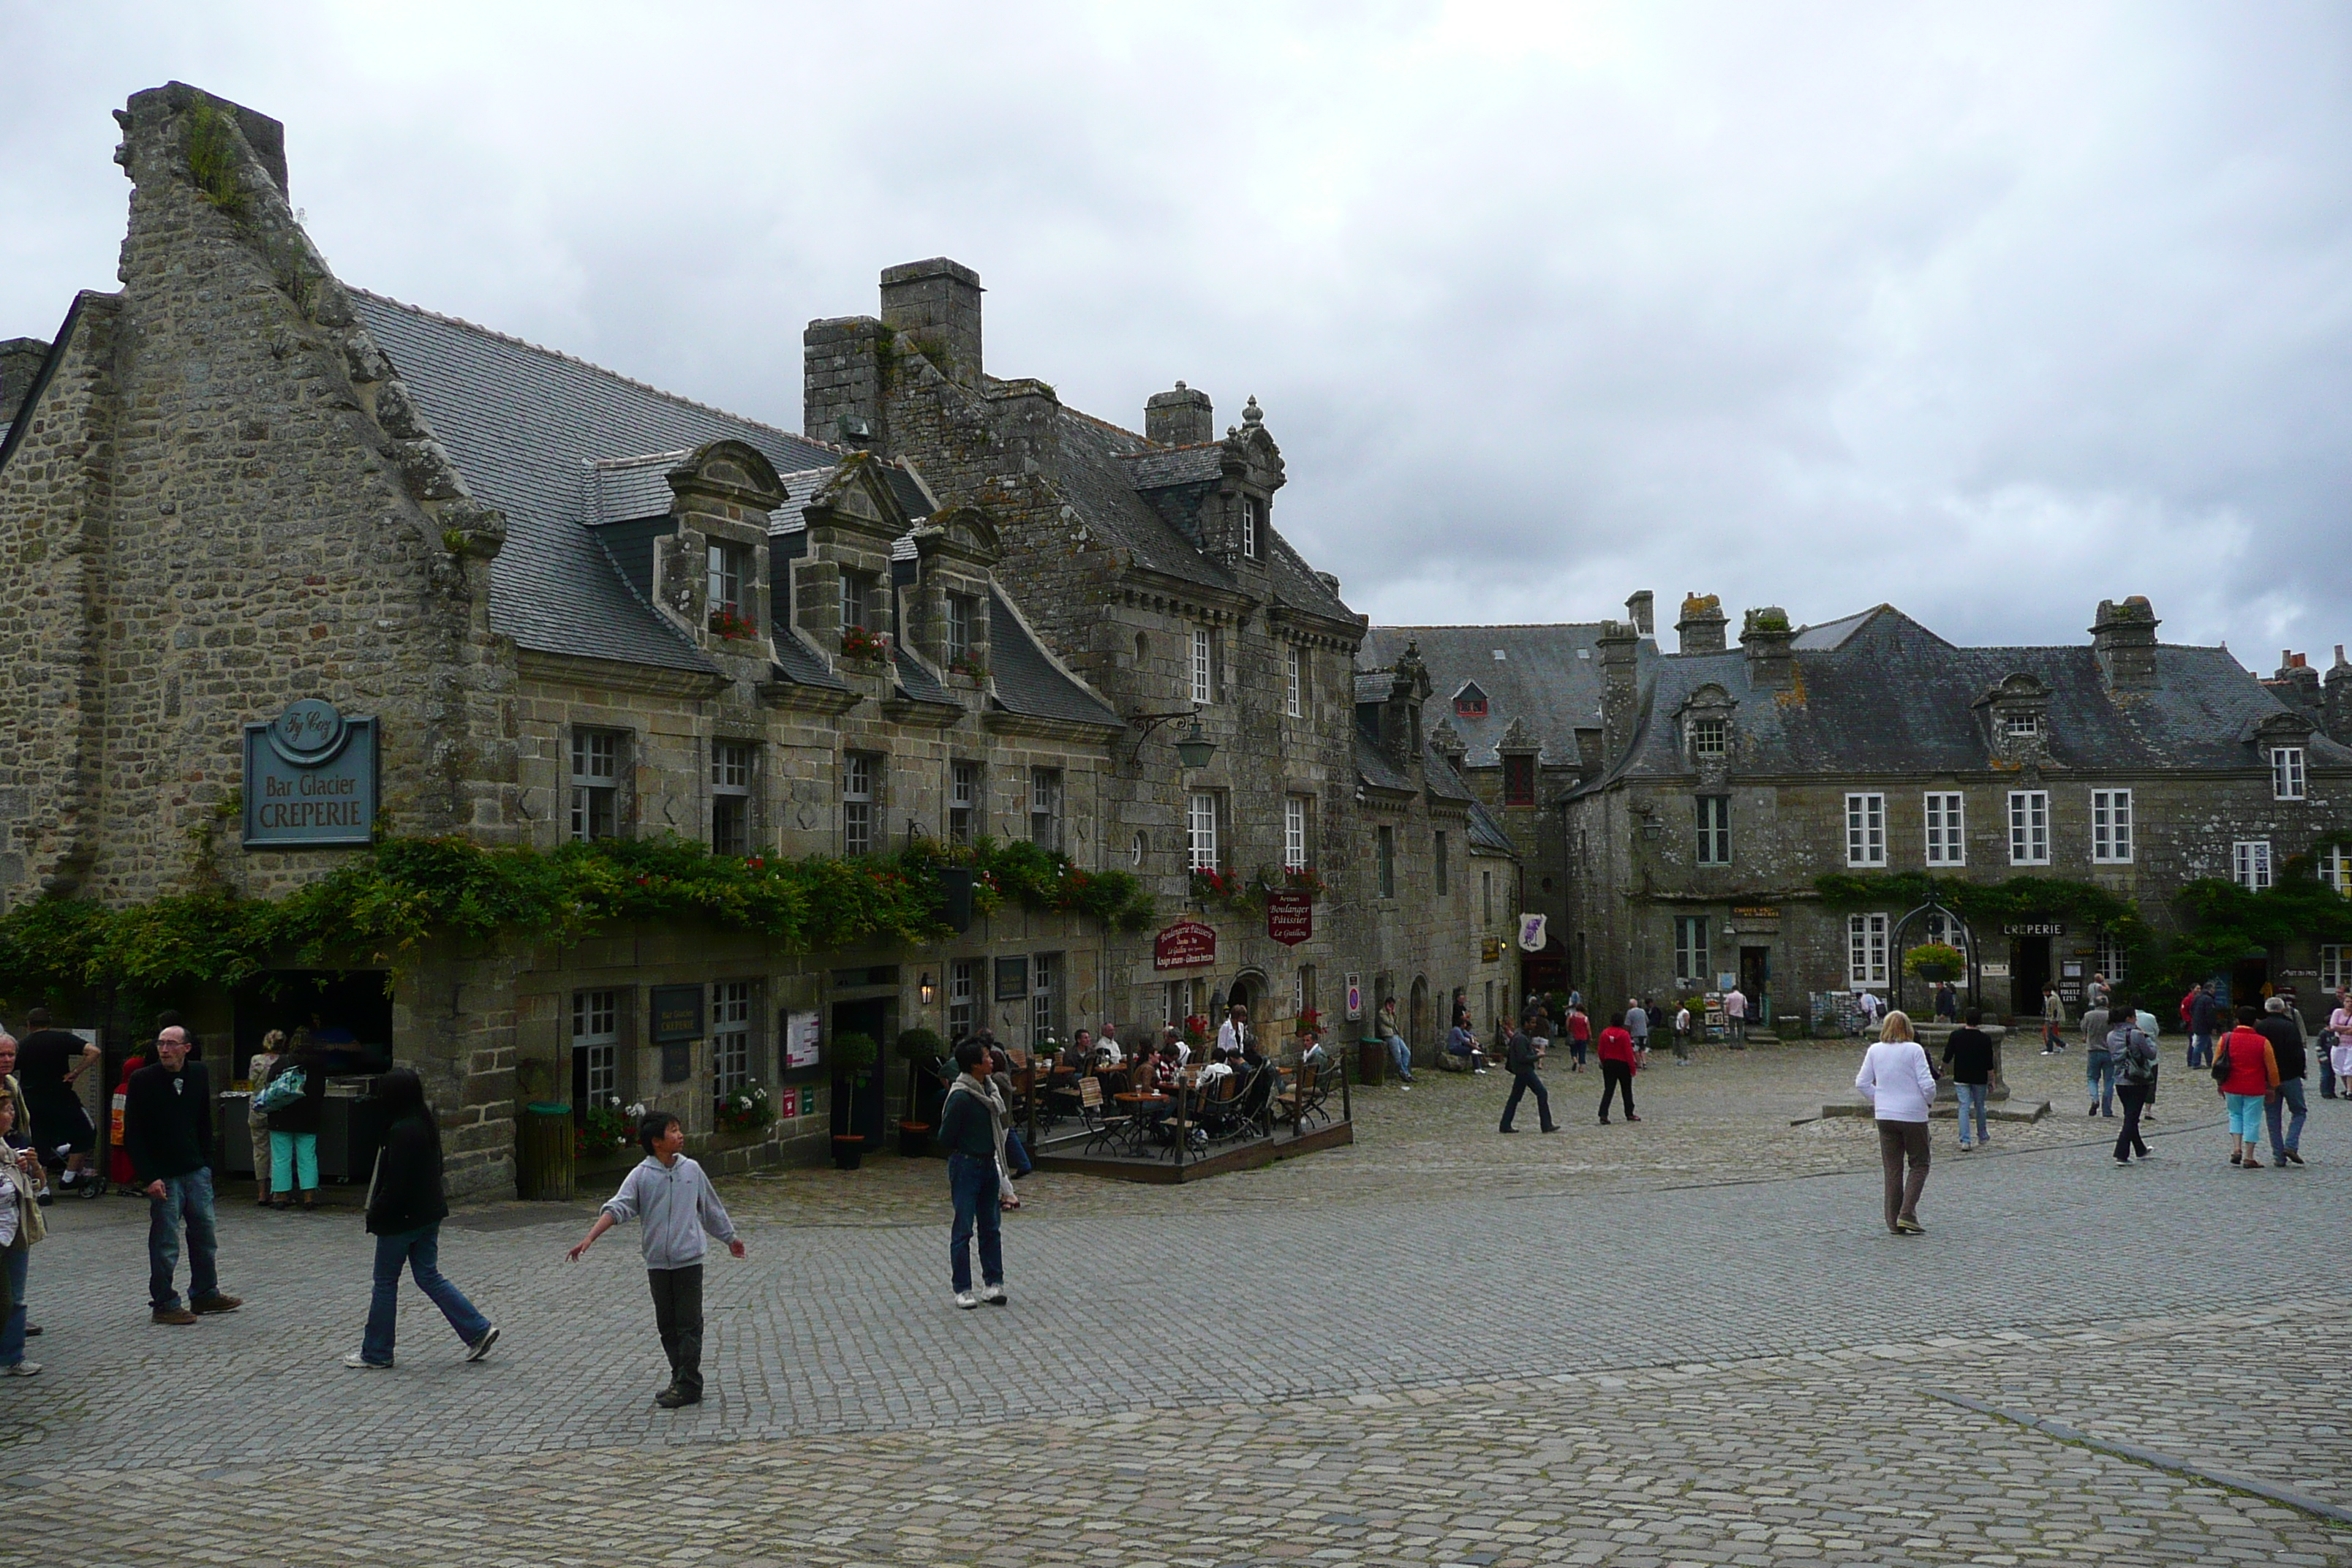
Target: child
674 1198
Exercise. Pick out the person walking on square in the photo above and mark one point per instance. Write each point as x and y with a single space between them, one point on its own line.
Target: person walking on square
167 1131
2283 1030
1900 1087
972 1128
1969 1056
1579 1037
2098 1062
2135 1058
2053 1022
2245 1074
1682 1032
1948 1002
1522 1056
1617 1061
670 1194
1735 1017
2204 1022
1637 1024
406 1205
2340 1032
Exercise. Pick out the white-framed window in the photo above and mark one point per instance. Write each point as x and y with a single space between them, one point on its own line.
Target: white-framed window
1293 672
964 798
1865 948
1205 665
596 1043
856 602
1865 830
730 1036
1690 948
2286 773
1440 863
1045 997
1045 808
2250 863
2334 967
1714 829
1253 527
595 783
2111 826
1294 831
733 765
963 997
2336 868
1384 860
2023 724
961 610
1947 817
1200 830
729 573
2029 828
2112 958
857 779
1710 735
1934 927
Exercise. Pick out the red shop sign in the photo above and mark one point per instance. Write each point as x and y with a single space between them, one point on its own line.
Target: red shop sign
1184 944
1290 916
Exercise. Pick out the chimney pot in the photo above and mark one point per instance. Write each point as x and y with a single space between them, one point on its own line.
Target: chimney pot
1640 609
1183 418
1701 627
937 303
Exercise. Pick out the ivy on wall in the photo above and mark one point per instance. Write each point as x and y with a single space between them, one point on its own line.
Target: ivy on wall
384 903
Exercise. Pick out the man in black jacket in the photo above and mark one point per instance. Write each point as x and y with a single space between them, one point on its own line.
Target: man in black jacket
1521 1056
2283 1030
167 1131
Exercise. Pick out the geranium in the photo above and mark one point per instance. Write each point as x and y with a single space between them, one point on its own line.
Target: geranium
604 1127
726 622
856 642
745 1110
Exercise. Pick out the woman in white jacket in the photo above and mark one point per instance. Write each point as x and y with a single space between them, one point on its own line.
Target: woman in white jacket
1900 1085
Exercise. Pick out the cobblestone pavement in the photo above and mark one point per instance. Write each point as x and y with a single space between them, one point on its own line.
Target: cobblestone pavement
1680 1346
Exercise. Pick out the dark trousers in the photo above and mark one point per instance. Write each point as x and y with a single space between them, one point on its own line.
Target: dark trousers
678 1315
1521 1082
973 1182
1613 1077
1900 1142
2134 1099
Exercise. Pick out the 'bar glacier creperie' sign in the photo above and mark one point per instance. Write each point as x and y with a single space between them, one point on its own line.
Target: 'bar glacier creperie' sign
309 779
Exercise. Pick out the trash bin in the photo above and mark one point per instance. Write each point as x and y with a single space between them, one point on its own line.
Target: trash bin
543 1152
1371 1060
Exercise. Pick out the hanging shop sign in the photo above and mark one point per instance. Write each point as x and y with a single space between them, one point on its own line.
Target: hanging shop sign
1184 944
310 779
1490 949
1289 917
1531 932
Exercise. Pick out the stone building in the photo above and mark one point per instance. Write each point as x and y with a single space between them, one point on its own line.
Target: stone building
1710 787
575 606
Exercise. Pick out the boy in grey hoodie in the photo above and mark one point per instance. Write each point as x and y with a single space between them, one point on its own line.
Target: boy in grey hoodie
674 1198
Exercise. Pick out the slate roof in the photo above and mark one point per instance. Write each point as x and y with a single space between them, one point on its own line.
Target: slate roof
1029 682
1201 463
523 424
1878 692
1549 675
1372 765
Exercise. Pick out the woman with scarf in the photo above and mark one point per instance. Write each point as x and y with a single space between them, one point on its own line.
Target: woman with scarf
972 1126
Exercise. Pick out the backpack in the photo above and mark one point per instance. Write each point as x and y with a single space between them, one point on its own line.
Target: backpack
281 1090
2135 1055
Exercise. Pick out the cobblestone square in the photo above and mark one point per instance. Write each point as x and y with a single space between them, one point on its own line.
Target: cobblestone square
1683 1342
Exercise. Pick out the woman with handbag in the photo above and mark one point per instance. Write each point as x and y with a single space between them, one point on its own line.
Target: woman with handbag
296 1101
406 1207
2245 1074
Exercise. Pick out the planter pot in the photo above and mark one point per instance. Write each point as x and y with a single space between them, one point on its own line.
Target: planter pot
1937 973
914 1139
848 1152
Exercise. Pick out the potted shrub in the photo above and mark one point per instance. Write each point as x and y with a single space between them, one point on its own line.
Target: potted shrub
1934 962
921 1049
854 1055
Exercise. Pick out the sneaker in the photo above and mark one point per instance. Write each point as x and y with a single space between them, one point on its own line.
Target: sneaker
1965 1148
2123 1160
1909 1227
1631 1117
672 1397
1479 1071
176 1315
481 1347
358 1361
21 1369
993 1294
217 1303
967 1299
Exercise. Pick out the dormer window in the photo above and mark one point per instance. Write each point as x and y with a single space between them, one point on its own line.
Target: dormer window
855 599
729 577
955 643
1710 735
1470 703
2286 773
2022 724
1252 528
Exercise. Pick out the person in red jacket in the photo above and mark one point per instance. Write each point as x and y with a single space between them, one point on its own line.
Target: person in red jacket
1579 1035
2249 1078
1617 1061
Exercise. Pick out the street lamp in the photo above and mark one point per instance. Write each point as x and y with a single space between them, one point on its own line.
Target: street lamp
927 988
1193 749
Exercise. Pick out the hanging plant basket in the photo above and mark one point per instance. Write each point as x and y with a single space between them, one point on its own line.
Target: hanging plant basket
1934 962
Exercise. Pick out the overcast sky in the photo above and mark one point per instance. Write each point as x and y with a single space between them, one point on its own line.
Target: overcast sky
1989 311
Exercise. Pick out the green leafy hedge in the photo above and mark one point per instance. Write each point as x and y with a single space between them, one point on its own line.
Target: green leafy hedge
382 904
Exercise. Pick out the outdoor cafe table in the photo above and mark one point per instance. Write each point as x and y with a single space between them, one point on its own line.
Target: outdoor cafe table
1146 1110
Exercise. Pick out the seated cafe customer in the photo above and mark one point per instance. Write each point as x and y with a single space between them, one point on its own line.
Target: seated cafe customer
1216 1072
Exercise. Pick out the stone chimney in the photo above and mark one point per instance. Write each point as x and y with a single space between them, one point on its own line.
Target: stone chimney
1409 688
937 303
2298 685
1701 627
2123 637
20 362
2336 712
1766 636
1180 418
1640 609
1619 644
842 399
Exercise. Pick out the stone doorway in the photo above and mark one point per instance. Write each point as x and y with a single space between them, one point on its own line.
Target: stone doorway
2029 971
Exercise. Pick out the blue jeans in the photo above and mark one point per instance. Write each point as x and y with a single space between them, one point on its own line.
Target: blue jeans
187 1199
293 1154
14 1261
421 1251
1404 1055
973 1182
2099 1074
2290 1099
1016 1156
1972 1104
2200 1050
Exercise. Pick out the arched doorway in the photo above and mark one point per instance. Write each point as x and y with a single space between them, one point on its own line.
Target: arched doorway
1416 1032
1249 990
